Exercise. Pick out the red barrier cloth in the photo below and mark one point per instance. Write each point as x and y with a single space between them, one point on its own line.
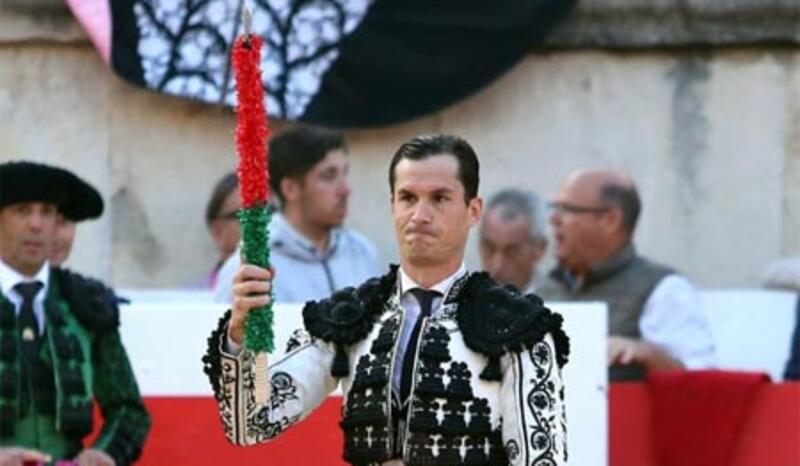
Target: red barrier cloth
772 434
697 416
630 440
186 431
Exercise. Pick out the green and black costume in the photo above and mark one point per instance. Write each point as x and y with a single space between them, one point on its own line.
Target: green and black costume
46 401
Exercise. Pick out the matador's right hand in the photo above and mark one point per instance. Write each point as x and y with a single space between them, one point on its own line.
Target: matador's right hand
251 287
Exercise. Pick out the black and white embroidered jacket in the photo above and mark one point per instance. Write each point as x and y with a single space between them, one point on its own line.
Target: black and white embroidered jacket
487 385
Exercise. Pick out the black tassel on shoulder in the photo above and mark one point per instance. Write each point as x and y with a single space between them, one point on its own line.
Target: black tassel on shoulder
492 372
348 316
341 364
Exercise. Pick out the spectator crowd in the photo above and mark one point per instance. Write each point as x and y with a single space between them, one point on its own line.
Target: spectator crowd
60 349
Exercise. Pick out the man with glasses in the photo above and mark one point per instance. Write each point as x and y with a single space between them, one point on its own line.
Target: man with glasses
656 320
222 222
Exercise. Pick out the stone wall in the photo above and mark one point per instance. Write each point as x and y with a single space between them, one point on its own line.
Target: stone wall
710 132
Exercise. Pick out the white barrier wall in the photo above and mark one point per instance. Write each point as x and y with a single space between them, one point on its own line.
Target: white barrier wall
752 328
586 379
165 334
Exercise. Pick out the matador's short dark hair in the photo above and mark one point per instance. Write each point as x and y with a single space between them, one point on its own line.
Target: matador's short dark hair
422 147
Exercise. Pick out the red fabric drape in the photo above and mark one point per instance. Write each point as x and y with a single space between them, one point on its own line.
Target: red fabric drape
697 416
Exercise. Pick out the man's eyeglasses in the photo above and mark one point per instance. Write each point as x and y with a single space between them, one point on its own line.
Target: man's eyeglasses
567 208
228 216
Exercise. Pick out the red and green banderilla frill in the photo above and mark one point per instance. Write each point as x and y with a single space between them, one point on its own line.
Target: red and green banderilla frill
252 132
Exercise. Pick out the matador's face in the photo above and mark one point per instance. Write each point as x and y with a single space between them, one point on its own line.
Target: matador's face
432 219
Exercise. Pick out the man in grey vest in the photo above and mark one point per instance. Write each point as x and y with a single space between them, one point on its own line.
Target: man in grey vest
656 321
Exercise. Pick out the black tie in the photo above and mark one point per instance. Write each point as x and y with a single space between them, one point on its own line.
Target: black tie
425 300
29 326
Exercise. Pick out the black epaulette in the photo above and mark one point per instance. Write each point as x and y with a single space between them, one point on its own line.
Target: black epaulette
92 303
496 319
348 316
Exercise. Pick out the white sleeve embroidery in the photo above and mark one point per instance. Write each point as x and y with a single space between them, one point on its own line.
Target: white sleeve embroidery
301 381
534 415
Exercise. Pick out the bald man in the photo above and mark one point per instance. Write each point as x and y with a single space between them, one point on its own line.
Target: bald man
656 320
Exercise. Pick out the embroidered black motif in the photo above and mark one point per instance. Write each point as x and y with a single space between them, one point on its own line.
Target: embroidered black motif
476 450
512 449
479 422
296 340
365 419
453 423
457 289
541 401
496 319
348 316
430 378
424 418
386 337
371 372
433 352
225 396
497 455
438 430
264 425
459 387
434 347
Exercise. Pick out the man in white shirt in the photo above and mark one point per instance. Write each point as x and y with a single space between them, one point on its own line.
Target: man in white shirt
308 244
655 316
438 365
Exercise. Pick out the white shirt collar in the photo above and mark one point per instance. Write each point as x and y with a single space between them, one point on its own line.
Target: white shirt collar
9 277
407 283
